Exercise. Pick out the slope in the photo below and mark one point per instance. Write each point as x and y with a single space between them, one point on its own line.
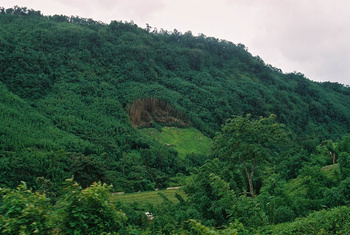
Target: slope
184 140
77 79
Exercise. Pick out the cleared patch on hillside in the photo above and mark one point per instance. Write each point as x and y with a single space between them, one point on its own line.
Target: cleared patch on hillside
146 112
183 140
149 197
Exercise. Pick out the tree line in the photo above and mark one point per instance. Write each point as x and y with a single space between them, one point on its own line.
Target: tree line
70 88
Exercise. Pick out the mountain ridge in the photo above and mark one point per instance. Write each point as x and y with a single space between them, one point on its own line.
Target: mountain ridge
81 76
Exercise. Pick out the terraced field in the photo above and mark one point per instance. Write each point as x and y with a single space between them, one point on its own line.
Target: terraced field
183 140
152 197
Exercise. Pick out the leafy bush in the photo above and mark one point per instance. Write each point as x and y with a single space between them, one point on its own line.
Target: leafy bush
334 221
89 211
23 212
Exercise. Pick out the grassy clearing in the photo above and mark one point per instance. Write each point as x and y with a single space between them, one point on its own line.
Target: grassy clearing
183 140
149 197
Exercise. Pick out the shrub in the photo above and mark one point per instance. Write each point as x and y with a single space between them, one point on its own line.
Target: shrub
90 211
23 212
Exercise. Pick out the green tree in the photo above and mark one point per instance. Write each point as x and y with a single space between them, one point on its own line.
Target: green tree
250 142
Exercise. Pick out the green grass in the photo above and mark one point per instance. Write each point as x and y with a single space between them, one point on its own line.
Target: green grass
183 140
149 197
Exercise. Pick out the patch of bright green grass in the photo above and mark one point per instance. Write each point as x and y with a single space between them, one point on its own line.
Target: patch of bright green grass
183 140
149 197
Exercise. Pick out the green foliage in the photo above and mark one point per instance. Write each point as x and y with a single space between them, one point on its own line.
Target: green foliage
208 197
249 142
335 221
89 210
78 211
250 139
67 85
344 189
289 163
344 156
87 170
195 227
23 211
32 163
217 204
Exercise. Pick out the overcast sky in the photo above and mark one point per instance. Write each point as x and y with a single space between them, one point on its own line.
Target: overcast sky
307 36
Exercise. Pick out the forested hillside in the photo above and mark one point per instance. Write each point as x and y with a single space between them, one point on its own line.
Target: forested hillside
75 93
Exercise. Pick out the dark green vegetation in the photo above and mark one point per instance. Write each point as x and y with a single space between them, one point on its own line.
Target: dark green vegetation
73 93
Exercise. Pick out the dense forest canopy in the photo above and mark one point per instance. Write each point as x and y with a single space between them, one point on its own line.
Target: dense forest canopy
74 91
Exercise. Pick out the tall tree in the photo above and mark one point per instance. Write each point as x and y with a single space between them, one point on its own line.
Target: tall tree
250 142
